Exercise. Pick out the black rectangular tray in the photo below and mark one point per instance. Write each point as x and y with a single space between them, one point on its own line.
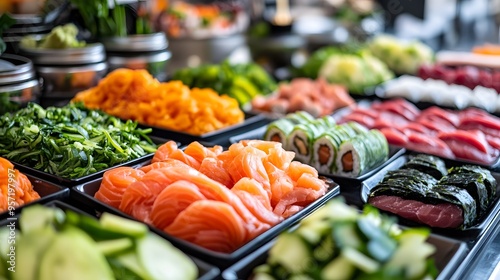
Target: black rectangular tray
448 256
219 137
205 270
470 234
66 182
495 166
394 152
84 194
48 191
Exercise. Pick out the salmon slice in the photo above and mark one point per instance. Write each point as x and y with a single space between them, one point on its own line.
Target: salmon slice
172 201
183 157
210 224
254 188
255 205
264 146
298 196
281 183
280 157
296 170
291 210
200 152
163 152
309 181
160 164
115 182
214 169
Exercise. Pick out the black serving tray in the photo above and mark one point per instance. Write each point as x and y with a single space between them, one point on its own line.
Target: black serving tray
205 270
219 137
469 234
394 152
67 182
448 256
84 195
48 191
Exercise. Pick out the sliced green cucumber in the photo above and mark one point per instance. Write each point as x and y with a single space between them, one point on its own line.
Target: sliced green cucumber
115 246
122 225
131 262
122 272
38 216
29 250
314 232
335 210
292 252
262 276
360 260
325 250
338 269
345 234
163 261
300 277
86 262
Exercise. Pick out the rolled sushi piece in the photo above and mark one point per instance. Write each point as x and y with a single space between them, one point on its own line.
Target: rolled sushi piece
440 206
489 181
300 117
410 176
278 131
300 141
324 152
472 183
431 165
357 127
362 153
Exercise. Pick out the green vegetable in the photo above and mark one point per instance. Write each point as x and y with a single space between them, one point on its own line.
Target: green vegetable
240 81
71 141
5 22
355 245
60 37
64 249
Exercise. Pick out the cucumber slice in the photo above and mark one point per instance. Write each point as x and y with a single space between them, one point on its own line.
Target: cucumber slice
360 260
163 261
300 277
313 232
345 234
122 272
338 269
262 276
263 268
115 246
336 210
121 225
38 216
325 250
291 252
94 228
86 262
131 262
30 248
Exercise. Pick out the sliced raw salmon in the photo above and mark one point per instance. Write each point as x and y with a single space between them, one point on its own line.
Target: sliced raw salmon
200 152
210 224
296 170
163 152
214 169
281 183
172 201
115 182
251 186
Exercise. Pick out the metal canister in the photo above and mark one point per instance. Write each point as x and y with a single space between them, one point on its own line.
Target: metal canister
148 51
18 83
68 71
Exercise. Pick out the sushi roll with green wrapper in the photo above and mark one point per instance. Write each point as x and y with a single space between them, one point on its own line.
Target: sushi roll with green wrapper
325 147
300 117
300 141
362 153
278 131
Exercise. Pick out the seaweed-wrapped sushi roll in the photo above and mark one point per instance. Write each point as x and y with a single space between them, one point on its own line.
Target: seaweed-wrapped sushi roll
489 181
362 153
473 184
431 165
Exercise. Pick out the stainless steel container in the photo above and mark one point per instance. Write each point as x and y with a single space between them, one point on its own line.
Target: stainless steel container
68 71
18 83
148 51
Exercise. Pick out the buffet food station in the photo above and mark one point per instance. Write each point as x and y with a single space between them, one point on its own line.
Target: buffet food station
243 140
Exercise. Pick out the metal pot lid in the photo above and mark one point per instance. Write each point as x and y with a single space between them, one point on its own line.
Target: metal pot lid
18 69
136 43
92 53
152 58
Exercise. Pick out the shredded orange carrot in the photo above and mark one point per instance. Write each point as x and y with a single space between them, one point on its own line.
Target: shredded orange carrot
136 95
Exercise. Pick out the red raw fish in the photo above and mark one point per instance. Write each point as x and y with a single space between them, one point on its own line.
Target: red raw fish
430 145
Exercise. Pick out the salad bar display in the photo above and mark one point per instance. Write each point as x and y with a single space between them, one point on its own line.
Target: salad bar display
372 160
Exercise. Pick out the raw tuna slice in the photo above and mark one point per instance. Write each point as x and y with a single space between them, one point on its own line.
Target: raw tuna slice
493 141
466 113
488 124
399 106
436 125
395 119
366 111
361 119
382 123
442 215
394 136
470 145
436 113
429 145
416 128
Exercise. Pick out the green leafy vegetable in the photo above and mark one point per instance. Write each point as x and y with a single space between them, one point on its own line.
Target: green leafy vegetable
70 141
5 22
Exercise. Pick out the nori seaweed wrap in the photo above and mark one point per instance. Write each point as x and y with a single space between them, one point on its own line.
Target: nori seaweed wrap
472 183
488 179
459 197
431 165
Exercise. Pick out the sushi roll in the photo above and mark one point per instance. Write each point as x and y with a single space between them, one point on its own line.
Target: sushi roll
300 141
300 117
325 149
489 181
362 153
471 182
431 165
278 131
357 127
410 175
